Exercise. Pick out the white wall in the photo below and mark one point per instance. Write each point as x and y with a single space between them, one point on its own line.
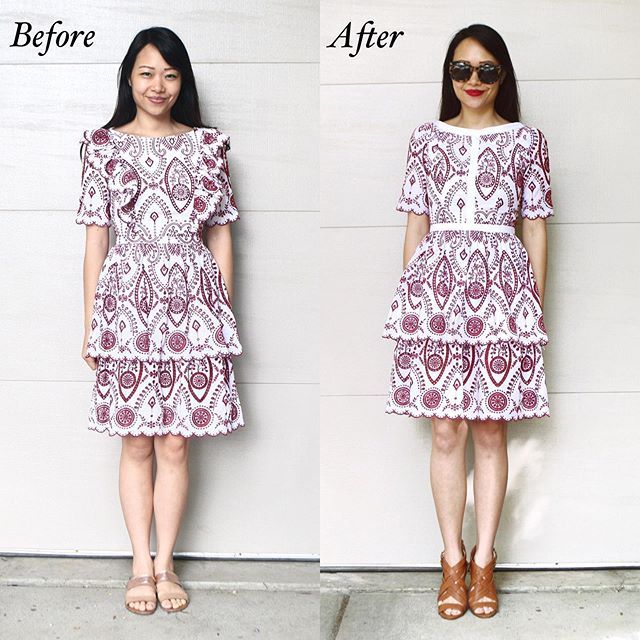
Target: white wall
573 488
573 479
254 493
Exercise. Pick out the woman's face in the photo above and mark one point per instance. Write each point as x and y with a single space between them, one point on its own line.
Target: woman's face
155 85
473 52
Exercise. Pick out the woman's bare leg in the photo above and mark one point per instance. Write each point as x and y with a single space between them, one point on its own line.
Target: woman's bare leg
136 498
449 484
490 475
170 499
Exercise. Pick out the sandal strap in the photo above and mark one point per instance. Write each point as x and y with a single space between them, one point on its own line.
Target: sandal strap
168 576
453 583
136 581
176 590
482 583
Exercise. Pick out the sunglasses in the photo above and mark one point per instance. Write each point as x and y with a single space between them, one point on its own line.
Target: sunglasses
488 73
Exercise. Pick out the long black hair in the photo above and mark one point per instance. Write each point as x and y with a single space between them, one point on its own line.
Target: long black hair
186 109
507 102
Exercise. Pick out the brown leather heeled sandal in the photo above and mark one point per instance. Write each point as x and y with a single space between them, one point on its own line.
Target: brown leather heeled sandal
482 586
453 585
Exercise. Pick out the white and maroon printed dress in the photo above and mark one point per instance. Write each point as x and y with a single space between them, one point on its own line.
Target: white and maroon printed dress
162 330
466 315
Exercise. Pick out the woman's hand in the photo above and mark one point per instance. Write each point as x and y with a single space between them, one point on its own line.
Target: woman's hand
96 249
417 228
90 360
534 239
218 240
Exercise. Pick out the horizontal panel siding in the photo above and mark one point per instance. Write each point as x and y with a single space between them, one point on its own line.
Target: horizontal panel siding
535 34
366 129
562 498
256 491
270 113
588 300
269 270
250 493
566 487
224 31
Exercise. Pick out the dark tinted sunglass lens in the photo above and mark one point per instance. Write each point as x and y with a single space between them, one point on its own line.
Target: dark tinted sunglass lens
488 74
460 71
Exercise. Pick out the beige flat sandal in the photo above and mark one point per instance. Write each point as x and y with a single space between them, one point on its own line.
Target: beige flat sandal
171 588
129 597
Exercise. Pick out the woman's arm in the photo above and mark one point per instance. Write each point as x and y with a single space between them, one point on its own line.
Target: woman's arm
217 238
534 239
417 229
96 249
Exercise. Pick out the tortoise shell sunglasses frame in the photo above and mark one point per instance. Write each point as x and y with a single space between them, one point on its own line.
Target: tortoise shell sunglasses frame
461 70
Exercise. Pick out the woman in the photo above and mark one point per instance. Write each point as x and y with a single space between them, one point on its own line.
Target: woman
467 313
159 330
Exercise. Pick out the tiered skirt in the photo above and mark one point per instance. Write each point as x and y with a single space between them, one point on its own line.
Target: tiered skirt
469 330
163 335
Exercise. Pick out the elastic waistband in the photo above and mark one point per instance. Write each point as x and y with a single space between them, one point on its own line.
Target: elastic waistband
195 241
460 226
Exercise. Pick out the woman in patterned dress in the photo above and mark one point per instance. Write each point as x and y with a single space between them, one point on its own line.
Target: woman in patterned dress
159 330
467 313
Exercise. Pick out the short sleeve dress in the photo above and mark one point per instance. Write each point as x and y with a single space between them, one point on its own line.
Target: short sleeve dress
466 315
162 328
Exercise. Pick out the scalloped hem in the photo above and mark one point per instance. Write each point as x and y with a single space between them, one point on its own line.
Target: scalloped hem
98 223
221 223
164 356
457 416
160 431
399 209
435 338
536 215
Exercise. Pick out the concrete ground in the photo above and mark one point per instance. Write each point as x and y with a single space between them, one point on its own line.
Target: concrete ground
62 598
533 605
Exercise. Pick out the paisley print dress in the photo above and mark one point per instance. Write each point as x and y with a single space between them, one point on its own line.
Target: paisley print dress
162 328
466 315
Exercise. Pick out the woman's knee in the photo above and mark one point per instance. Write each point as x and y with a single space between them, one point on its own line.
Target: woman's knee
448 435
170 448
139 447
489 435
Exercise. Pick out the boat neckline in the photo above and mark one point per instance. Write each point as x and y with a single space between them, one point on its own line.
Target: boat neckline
135 135
469 131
